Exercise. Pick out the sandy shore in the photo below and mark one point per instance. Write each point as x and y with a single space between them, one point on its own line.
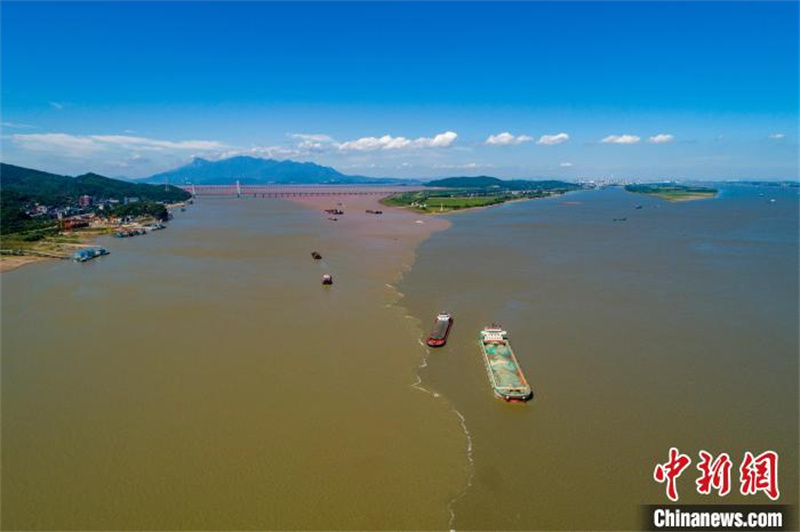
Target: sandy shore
12 262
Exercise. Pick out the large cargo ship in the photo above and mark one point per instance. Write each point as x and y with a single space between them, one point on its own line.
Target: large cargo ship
441 330
505 373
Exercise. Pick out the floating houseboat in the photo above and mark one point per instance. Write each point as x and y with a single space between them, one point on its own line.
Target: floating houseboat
87 254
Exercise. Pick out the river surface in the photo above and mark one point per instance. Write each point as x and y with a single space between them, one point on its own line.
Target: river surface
676 327
200 378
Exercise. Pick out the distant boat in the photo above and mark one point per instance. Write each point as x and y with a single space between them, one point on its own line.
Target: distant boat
638 207
327 279
316 255
441 330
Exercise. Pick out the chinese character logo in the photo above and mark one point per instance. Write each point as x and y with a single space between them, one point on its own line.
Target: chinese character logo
670 471
756 473
714 474
760 474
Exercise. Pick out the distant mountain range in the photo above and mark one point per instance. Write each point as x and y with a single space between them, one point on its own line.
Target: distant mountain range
255 171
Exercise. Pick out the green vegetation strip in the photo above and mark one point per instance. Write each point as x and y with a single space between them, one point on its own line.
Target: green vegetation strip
672 192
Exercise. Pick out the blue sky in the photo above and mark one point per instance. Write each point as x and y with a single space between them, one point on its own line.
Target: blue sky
570 89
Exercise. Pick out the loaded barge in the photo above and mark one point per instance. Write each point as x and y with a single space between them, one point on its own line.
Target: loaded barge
441 330
505 373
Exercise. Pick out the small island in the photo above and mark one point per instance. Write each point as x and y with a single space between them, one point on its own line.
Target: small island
673 192
459 193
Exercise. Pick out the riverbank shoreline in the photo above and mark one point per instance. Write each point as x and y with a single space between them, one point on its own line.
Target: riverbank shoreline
12 259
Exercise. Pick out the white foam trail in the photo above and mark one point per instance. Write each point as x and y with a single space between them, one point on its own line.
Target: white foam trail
417 384
462 422
470 461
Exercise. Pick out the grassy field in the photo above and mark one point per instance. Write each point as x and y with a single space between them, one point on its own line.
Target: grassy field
673 192
436 202
49 242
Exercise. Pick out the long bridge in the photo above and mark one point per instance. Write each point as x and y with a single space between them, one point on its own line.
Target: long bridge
288 191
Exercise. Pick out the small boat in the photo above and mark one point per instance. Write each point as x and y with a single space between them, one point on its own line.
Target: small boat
441 330
327 279
316 255
333 219
638 207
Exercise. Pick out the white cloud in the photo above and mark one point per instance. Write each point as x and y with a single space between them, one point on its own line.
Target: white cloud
661 138
466 166
17 125
507 139
263 152
551 140
621 139
566 165
56 105
388 142
142 143
312 141
777 136
84 145
57 143
316 137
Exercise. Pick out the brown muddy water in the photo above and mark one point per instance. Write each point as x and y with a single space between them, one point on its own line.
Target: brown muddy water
200 378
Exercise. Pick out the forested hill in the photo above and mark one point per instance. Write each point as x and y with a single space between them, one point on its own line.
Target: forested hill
486 182
26 185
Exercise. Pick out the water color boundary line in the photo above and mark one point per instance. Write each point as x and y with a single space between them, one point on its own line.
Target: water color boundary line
418 385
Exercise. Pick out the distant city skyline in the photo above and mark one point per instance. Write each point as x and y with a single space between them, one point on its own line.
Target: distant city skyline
515 90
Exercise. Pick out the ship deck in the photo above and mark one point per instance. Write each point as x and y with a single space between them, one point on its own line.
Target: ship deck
440 329
504 367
